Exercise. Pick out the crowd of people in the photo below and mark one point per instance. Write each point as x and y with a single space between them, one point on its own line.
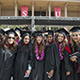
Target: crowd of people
40 55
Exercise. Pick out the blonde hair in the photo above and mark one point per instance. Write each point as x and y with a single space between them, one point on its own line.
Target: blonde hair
73 43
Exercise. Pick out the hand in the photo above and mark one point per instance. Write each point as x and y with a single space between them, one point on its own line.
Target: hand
73 59
67 73
51 73
28 71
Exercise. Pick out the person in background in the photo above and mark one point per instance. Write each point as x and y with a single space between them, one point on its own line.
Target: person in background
18 32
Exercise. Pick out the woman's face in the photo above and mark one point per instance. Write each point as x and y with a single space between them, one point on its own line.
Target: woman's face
26 39
79 36
11 38
50 38
39 39
60 37
75 36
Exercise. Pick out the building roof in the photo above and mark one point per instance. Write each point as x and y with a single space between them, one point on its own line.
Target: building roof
73 5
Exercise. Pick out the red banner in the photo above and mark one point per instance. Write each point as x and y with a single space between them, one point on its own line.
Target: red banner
57 11
24 11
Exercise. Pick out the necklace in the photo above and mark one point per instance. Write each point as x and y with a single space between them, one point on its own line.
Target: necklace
39 58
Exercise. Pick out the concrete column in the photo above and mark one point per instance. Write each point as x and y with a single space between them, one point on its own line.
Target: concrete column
65 7
32 8
0 9
16 8
49 9
33 24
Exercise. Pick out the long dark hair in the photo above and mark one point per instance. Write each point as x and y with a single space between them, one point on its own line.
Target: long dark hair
2 38
21 44
13 46
64 42
41 45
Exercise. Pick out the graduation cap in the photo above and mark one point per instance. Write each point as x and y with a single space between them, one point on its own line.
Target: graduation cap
62 31
50 32
33 33
11 31
18 29
2 31
38 33
75 29
24 32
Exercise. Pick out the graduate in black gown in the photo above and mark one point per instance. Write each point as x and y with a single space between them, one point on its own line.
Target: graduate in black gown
8 51
52 59
18 31
75 47
38 57
23 62
64 50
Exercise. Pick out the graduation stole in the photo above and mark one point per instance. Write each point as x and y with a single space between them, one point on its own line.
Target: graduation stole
39 58
60 47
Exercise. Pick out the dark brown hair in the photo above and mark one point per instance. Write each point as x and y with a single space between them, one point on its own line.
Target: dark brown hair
41 45
13 46
63 43
2 38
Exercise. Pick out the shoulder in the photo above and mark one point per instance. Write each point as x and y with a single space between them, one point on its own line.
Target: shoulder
67 48
53 44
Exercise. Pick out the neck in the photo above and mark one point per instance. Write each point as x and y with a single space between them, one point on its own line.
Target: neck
9 45
38 44
51 42
25 44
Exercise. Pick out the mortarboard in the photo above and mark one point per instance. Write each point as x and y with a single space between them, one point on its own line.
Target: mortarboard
24 32
62 31
50 32
75 29
38 33
11 31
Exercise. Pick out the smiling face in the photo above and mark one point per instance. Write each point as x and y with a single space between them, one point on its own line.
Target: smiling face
60 37
50 38
26 39
75 36
39 39
11 38
79 35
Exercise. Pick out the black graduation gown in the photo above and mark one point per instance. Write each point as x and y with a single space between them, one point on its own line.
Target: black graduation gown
75 65
7 65
1 60
65 65
52 62
38 68
23 58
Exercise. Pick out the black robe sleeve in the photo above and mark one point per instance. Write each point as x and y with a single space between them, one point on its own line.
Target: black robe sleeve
52 58
30 61
67 60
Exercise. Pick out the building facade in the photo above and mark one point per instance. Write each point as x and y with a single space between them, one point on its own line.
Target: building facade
69 8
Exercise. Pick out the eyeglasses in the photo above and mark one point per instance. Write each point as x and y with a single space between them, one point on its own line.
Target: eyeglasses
11 38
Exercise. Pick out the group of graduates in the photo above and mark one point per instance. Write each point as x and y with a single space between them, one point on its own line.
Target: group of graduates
38 55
